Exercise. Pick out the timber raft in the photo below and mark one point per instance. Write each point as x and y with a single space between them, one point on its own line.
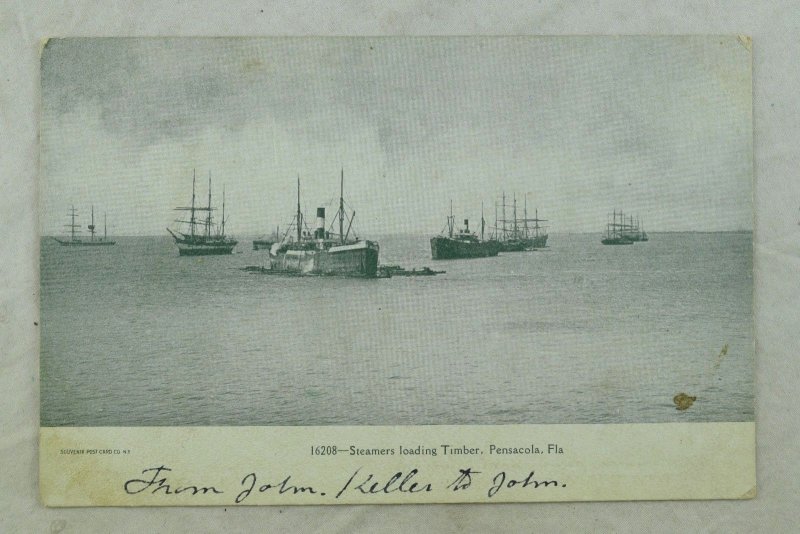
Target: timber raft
384 271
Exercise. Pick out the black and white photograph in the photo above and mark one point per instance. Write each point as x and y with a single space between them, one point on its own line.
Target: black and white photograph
396 231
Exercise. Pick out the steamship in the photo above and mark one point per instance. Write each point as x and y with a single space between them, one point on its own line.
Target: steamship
462 243
323 251
202 238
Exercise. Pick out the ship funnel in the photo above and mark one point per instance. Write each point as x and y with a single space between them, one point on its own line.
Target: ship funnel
466 225
319 233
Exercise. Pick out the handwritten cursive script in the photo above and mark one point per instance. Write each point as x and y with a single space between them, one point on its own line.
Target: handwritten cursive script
284 486
154 481
399 482
156 484
501 480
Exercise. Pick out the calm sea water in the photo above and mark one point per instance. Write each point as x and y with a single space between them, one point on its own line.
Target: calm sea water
578 333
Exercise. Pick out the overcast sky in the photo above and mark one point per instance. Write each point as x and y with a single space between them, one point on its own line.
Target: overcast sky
659 127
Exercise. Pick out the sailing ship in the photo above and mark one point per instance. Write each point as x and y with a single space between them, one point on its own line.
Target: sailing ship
93 241
631 230
324 252
617 233
462 243
517 234
538 234
202 238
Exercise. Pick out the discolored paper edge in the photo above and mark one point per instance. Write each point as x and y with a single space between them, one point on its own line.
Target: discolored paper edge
190 466
776 256
226 466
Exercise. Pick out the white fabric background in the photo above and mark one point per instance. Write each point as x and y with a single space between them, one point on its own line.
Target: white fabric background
774 27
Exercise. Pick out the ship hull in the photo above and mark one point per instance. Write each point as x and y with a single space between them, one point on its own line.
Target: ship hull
203 246
205 250
539 241
513 246
616 241
523 244
445 248
357 259
637 237
68 243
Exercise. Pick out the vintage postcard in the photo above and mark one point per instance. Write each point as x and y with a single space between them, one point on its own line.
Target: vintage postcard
285 271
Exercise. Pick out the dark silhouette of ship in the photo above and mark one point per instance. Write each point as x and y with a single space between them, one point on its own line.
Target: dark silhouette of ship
633 230
518 234
203 237
267 242
93 241
462 243
324 252
390 271
621 233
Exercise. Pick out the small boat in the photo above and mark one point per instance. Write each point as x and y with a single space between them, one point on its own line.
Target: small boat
93 241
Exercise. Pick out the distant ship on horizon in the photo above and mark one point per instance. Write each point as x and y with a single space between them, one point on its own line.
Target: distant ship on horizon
634 231
516 234
75 241
462 243
205 242
324 252
266 243
624 232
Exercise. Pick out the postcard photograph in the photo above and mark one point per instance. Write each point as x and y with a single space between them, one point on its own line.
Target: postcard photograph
460 254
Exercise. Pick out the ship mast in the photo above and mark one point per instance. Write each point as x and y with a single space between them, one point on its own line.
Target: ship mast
72 225
105 226
450 220
496 232
298 217
483 221
515 217
341 209
614 226
208 217
504 215
191 218
91 226
223 211
526 215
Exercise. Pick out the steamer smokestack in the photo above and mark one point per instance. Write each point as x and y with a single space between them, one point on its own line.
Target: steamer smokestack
466 224
319 233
